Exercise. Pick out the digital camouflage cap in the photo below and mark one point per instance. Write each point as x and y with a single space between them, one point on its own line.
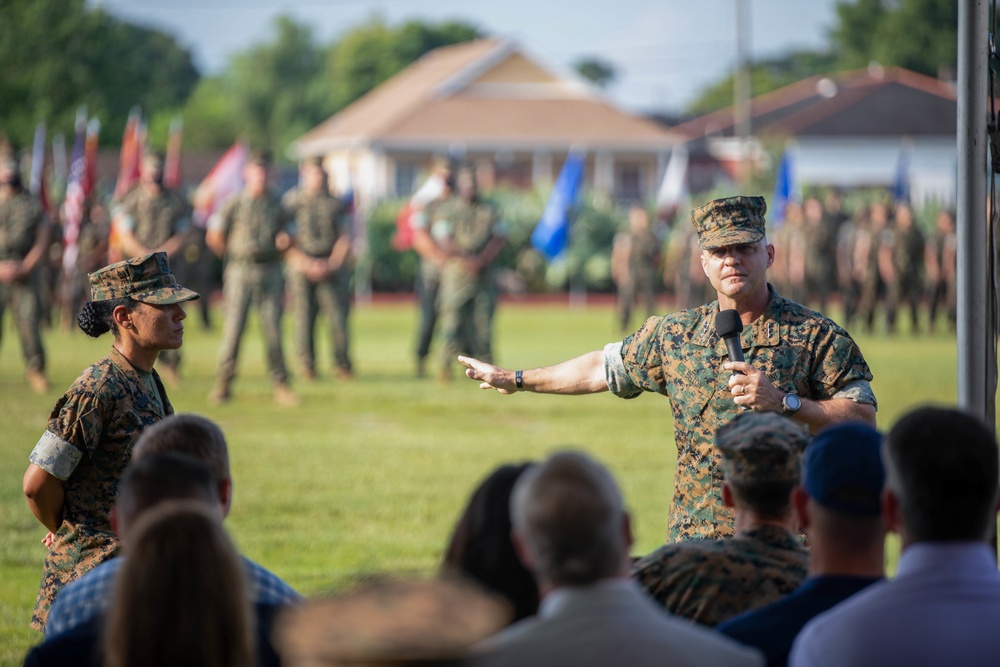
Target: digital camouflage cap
761 447
146 279
729 221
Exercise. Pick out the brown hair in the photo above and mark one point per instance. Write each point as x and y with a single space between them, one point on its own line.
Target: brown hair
480 546
189 434
181 597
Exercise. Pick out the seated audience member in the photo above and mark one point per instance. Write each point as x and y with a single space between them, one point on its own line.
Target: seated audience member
181 597
481 549
943 606
202 439
571 530
391 623
838 508
710 581
158 479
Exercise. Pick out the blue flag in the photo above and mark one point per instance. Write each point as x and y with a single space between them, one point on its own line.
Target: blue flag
901 181
551 234
784 190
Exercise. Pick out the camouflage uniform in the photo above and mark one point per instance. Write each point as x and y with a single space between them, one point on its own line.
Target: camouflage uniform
154 221
908 264
944 247
868 241
821 258
92 245
21 217
252 275
644 253
850 288
320 221
91 430
710 581
467 300
87 443
681 357
428 284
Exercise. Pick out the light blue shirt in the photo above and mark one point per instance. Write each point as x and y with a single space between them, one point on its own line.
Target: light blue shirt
942 609
88 597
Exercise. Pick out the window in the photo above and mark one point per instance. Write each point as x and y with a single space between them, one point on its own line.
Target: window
406 178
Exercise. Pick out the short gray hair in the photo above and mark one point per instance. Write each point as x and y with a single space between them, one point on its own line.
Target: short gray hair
570 513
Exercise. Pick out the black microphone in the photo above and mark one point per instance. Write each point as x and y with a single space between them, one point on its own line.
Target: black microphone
729 326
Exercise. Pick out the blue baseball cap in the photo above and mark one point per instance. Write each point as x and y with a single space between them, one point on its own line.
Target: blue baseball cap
842 469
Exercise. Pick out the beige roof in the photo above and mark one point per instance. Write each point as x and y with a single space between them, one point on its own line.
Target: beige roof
485 93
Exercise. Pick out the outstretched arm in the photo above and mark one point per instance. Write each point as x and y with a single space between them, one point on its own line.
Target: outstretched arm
582 375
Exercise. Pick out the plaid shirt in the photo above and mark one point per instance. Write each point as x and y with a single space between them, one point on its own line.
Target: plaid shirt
89 596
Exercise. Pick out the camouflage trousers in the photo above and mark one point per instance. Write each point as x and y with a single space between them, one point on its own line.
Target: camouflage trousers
907 289
332 296
23 300
943 293
246 285
640 289
74 552
428 287
466 305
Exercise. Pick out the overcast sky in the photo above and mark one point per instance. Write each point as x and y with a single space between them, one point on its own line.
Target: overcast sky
665 51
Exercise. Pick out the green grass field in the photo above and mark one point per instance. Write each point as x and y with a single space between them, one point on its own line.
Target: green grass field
369 476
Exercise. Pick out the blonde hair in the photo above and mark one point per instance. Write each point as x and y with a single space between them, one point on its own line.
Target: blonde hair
181 597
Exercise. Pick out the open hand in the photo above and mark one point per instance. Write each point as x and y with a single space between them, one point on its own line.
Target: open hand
489 376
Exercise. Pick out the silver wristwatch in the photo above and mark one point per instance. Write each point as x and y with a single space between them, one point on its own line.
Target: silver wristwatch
790 404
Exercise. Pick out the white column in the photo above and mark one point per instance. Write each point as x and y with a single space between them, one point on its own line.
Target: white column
604 173
541 169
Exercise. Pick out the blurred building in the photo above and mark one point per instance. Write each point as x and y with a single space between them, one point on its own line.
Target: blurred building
489 102
855 129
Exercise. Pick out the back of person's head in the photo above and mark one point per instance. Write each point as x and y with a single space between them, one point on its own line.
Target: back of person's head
942 468
158 478
481 547
571 521
391 623
190 434
842 477
181 597
761 458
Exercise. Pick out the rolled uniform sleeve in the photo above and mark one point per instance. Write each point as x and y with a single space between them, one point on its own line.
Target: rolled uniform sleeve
619 382
840 370
69 435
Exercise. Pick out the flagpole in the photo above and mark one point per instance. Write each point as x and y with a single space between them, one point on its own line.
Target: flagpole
577 281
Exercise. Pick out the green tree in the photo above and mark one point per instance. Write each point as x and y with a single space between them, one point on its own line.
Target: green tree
599 72
209 116
372 53
276 90
921 35
854 33
59 54
765 76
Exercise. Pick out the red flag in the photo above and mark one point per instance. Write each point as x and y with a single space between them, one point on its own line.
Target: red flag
225 179
128 162
90 157
431 189
75 195
37 185
172 166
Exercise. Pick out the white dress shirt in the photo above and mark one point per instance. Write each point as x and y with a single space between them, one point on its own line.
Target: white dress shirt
941 609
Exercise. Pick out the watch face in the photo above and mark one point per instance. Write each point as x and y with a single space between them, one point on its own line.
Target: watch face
792 403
